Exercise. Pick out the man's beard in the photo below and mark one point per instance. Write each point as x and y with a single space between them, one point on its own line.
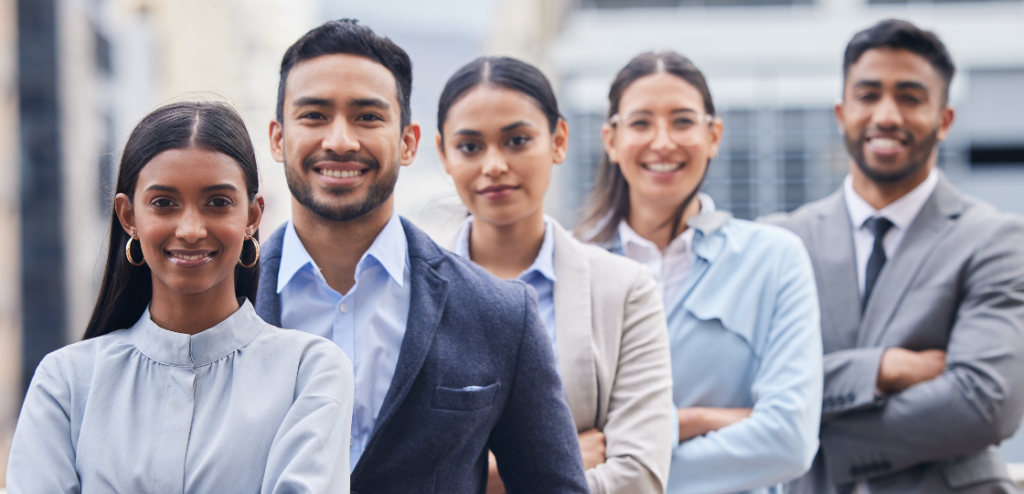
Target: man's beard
919 154
379 190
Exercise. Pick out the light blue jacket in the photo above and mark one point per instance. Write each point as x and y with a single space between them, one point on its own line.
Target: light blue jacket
746 333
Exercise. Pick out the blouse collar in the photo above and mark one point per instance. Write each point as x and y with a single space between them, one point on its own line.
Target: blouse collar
182 350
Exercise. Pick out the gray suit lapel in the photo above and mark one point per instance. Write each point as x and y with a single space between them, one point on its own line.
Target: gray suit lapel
935 220
573 322
832 246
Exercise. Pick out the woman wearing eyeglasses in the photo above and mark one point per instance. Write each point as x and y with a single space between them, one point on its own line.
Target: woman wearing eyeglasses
740 297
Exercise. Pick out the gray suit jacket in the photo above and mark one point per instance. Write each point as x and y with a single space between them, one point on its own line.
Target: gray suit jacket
956 283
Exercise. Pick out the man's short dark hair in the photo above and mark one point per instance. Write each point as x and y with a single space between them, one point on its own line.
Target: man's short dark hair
347 36
901 35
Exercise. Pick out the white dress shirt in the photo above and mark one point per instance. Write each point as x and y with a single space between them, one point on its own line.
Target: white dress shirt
901 213
670 268
540 275
368 322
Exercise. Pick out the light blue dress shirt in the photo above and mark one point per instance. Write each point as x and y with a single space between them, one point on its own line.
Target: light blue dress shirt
745 333
368 322
240 407
540 275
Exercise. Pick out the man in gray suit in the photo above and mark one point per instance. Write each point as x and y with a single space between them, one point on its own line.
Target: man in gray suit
921 288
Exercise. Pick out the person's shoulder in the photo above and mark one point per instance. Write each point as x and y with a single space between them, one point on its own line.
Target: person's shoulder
803 214
607 268
76 361
762 236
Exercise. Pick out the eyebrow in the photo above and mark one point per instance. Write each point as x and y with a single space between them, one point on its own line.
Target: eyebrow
372 102
208 188
468 132
911 85
515 125
217 187
677 110
871 84
312 101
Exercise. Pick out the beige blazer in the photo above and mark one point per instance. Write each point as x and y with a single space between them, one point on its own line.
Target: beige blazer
613 355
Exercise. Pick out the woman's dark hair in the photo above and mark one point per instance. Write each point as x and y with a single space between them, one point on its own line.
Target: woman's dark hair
608 203
902 35
505 72
348 36
126 289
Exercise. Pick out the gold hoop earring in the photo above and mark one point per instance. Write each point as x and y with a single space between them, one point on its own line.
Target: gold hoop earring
254 261
128 253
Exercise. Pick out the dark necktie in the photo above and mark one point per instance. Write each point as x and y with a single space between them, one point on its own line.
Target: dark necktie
879 226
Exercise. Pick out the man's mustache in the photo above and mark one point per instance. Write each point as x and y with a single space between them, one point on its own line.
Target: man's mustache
352 157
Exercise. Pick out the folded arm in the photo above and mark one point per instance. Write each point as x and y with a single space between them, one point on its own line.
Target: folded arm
637 446
976 402
779 439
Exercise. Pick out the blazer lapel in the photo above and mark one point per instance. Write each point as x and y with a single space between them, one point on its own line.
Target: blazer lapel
429 294
935 220
268 301
573 321
831 244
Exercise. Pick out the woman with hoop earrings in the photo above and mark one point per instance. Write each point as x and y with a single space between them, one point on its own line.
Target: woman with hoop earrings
178 385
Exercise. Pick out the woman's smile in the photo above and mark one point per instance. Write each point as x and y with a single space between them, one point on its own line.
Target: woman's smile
190 258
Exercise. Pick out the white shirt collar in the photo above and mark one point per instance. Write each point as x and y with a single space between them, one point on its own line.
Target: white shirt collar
900 212
390 249
544 263
631 239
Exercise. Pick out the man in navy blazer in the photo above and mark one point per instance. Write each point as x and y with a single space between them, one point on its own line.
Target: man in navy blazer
449 361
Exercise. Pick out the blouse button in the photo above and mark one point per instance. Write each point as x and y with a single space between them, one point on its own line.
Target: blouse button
343 308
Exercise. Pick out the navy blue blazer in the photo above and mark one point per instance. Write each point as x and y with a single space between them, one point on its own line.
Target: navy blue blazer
465 328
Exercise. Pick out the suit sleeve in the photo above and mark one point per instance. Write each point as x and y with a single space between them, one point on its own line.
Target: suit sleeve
42 455
979 399
638 445
851 381
779 440
535 441
310 453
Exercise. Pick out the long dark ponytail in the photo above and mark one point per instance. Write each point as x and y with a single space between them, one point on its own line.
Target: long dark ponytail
126 289
608 203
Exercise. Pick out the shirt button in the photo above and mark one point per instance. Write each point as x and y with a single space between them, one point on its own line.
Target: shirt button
343 308
351 441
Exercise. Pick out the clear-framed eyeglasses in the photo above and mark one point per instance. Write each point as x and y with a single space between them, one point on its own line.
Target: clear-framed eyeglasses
682 128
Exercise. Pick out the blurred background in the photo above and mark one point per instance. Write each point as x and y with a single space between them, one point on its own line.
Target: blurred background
76 75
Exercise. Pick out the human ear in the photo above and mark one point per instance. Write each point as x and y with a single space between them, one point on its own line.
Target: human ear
255 216
277 140
837 110
946 116
125 213
609 142
440 152
410 143
560 141
717 127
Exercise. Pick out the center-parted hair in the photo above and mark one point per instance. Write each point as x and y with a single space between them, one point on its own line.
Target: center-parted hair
608 203
505 72
901 35
347 36
127 290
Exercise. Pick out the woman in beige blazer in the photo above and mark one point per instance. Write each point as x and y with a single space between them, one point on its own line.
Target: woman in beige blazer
500 133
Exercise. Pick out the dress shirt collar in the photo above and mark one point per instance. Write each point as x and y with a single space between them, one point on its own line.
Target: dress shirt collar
544 263
390 249
182 350
901 212
633 245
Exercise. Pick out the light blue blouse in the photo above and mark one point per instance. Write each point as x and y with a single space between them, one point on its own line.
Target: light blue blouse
240 407
746 333
540 275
